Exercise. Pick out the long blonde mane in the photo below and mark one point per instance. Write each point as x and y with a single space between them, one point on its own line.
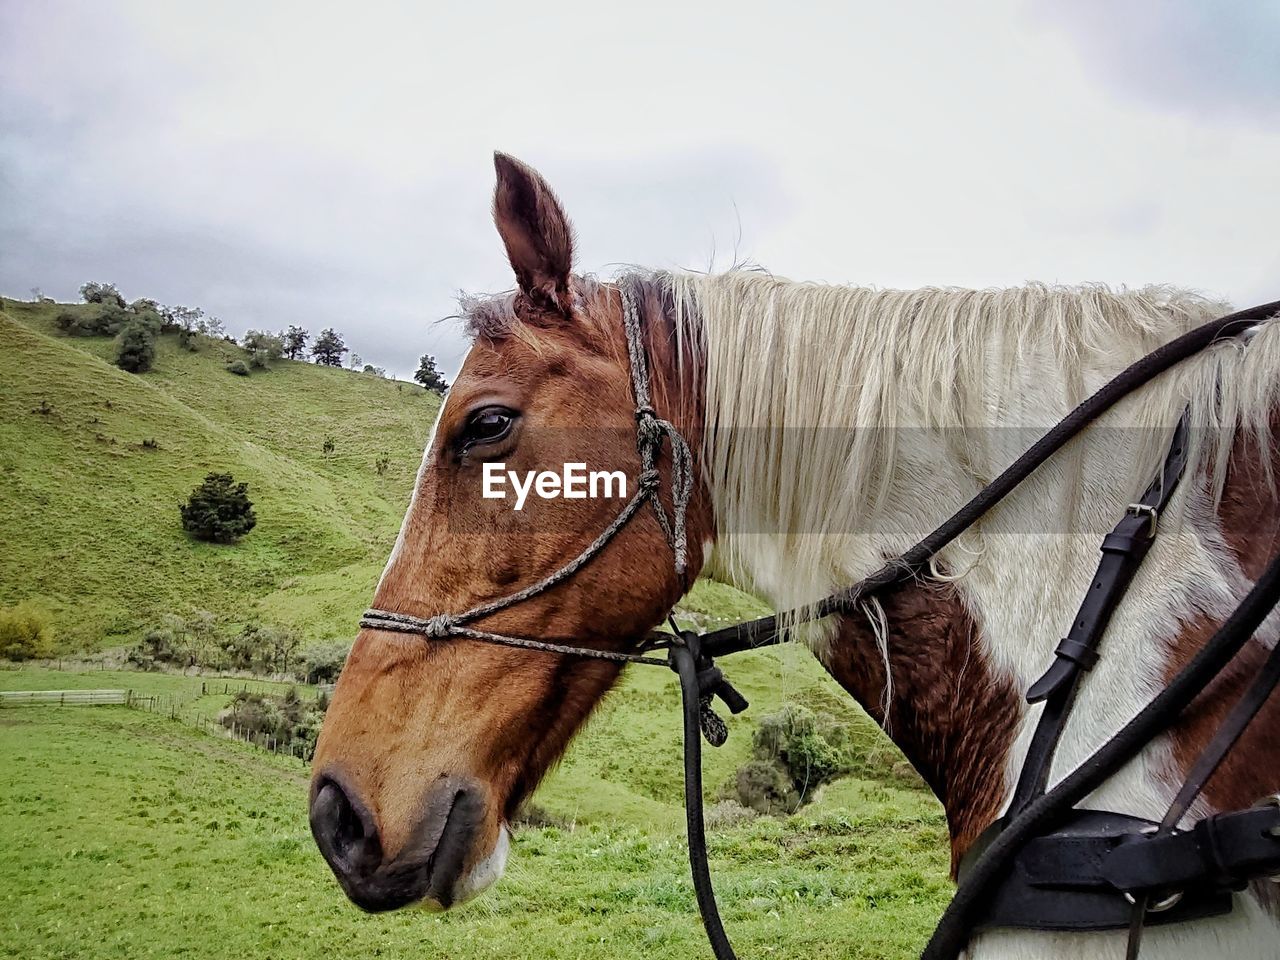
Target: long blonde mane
822 400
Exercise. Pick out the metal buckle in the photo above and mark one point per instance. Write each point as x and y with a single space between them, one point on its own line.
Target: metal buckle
1148 511
1160 906
1173 899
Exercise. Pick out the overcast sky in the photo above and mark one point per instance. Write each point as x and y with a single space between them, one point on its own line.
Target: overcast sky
305 163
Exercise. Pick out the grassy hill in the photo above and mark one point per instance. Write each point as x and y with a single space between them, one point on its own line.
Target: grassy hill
89 515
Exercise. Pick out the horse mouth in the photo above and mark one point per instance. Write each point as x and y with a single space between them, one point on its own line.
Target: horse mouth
429 870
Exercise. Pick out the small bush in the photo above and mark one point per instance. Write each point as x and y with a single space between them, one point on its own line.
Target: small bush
329 445
795 751
729 813
219 510
812 748
187 339
136 348
533 816
238 367
764 786
322 663
263 347
291 721
26 632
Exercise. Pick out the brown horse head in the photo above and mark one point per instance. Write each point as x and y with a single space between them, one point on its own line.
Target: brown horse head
429 745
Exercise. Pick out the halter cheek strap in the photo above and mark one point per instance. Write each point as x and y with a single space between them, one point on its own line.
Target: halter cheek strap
651 431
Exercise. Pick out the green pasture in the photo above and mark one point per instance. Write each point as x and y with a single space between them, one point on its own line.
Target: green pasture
128 834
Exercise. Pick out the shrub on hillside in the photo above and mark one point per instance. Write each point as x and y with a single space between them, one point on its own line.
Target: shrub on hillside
795 751
105 293
26 632
136 347
178 641
238 367
219 510
262 649
263 347
157 648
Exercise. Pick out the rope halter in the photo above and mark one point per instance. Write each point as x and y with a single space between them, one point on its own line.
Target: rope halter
651 432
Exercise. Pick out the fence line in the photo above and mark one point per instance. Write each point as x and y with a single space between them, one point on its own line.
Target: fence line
213 727
63 697
170 705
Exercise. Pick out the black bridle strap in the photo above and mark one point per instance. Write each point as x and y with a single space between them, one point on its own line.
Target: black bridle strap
684 660
1123 551
768 630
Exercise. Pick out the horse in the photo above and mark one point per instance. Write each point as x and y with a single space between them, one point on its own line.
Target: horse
826 424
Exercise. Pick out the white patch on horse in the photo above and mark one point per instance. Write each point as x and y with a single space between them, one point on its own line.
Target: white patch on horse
488 871
417 485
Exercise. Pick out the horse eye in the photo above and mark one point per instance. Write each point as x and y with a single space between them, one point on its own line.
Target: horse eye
487 425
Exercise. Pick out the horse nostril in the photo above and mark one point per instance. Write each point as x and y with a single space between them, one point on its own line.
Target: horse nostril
344 830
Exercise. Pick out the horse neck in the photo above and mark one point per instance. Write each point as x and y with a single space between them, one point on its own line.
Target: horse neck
943 669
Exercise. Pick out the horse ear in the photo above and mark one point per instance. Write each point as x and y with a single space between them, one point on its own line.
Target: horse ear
535 231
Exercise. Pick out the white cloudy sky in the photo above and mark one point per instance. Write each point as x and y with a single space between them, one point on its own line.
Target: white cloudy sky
330 165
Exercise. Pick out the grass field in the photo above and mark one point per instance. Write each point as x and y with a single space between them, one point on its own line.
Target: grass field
130 835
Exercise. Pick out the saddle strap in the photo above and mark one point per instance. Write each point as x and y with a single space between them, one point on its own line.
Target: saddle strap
1226 850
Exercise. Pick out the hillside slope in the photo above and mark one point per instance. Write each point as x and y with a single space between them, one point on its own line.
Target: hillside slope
88 515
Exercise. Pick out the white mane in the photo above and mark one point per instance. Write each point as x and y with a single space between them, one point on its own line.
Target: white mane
822 401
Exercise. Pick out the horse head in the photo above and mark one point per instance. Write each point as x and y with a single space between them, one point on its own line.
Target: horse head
430 745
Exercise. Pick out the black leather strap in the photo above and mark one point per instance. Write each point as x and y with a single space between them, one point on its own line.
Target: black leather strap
1232 729
1058 883
1225 850
1123 551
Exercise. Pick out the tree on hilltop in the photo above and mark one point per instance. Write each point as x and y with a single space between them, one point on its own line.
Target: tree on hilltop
429 376
328 348
104 293
294 341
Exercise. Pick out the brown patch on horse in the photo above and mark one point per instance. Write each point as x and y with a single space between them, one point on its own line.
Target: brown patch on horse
1249 518
952 714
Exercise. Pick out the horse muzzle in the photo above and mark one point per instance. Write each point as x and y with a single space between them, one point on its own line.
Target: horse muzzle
427 869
